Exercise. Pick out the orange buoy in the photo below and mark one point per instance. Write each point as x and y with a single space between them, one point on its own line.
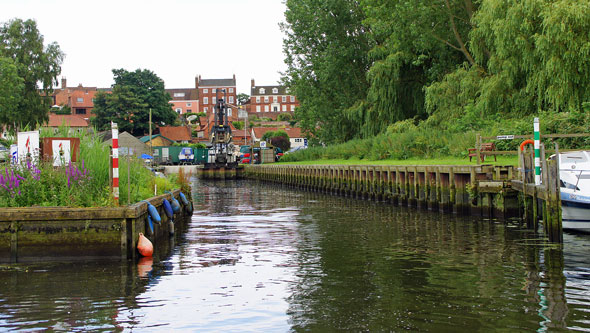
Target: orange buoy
144 246
526 142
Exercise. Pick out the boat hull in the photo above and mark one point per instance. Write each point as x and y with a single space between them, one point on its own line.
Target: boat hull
575 214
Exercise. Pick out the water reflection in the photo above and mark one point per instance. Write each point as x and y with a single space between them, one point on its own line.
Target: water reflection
261 257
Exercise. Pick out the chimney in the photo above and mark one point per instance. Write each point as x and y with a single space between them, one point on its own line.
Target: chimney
252 83
234 78
63 82
197 80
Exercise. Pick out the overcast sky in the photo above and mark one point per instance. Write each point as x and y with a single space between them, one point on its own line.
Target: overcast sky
176 39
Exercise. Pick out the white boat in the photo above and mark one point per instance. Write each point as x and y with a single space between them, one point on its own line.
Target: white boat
574 174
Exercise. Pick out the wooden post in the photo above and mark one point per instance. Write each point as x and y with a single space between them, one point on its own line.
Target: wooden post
478 147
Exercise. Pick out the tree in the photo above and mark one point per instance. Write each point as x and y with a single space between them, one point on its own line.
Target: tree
35 65
11 90
277 138
242 98
326 47
129 104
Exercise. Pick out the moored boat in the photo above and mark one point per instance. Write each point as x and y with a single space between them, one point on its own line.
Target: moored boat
574 174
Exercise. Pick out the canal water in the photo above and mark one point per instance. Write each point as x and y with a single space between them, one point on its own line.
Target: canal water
260 257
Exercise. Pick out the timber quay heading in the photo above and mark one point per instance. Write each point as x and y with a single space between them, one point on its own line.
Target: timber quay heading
480 190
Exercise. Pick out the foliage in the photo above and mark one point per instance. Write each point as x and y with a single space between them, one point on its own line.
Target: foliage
64 109
36 65
242 98
238 124
285 117
11 90
282 142
134 94
326 46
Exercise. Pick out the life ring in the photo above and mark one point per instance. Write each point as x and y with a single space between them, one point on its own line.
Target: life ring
153 212
526 142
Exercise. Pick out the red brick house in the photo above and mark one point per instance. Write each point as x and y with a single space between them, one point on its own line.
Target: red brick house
208 92
80 99
270 101
295 135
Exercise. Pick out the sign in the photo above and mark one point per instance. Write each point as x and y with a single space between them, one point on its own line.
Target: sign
14 154
505 137
28 146
262 144
61 152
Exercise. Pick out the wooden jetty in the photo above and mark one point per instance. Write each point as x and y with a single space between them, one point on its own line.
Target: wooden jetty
481 190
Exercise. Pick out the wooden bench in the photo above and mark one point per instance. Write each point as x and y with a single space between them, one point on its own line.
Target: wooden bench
487 146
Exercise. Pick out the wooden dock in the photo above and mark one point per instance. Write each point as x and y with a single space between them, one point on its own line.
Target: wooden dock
481 190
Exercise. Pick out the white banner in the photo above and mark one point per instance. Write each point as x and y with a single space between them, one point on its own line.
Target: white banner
61 152
28 146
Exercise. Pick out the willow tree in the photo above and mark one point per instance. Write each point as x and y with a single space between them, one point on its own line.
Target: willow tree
36 65
326 46
536 53
416 43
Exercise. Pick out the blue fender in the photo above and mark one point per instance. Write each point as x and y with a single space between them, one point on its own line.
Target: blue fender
183 199
167 208
149 219
153 212
175 205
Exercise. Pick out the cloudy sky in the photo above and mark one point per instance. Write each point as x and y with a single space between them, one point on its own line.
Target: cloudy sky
176 39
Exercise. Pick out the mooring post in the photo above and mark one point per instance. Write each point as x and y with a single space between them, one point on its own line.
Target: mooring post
478 147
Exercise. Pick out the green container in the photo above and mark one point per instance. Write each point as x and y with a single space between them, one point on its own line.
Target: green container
201 155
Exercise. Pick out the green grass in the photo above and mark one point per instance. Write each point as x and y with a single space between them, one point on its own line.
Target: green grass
502 160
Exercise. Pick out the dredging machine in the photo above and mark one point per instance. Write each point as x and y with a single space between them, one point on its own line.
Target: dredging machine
221 160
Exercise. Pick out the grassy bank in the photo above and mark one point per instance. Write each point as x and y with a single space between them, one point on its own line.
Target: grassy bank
502 160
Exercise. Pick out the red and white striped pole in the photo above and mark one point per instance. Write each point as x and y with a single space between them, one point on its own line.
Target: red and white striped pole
115 163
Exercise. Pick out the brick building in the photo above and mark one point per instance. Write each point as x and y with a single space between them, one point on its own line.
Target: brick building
79 99
185 100
208 92
270 101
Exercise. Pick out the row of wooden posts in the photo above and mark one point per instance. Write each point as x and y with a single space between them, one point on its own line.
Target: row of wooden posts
481 190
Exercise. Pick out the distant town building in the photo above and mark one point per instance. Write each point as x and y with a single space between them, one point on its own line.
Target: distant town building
73 122
295 136
184 100
79 99
211 89
270 101
179 134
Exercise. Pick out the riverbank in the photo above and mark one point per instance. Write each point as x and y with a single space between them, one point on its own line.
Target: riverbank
501 160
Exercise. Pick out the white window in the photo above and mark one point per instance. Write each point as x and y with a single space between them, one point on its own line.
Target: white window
275 90
262 91
205 100
214 90
205 109
189 104
292 99
298 140
257 108
229 112
231 100
284 99
275 99
205 91
80 99
284 107
257 99
292 107
180 94
266 108
178 110
231 90
265 99
213 100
